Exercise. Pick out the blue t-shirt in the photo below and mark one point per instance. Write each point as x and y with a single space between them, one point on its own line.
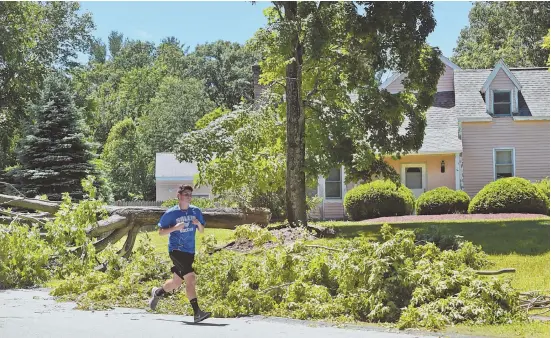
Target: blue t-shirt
183 240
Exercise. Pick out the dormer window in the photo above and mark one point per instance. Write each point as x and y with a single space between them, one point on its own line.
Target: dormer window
501 91
502 102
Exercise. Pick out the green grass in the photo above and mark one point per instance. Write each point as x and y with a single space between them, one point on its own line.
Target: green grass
528 330
161 242
519 244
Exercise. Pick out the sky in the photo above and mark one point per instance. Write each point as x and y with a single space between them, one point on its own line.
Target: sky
197 22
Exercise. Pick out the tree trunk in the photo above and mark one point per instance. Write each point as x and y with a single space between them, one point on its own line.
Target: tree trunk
29 203
295 174
129 220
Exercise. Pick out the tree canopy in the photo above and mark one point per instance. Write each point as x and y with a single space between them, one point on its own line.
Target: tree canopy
320 62
54 156
508 30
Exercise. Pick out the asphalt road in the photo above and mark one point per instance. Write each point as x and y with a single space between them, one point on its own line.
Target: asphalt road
33 313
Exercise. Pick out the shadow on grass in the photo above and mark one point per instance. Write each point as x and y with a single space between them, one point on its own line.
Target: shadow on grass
525 237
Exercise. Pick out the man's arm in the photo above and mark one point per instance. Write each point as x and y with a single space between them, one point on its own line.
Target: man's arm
166 231
166 225
199 221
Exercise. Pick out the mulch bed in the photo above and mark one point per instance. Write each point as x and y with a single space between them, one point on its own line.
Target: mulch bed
453 217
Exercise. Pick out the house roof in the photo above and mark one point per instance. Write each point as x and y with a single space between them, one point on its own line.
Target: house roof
399 76
467 102
441 132
500 65
533 98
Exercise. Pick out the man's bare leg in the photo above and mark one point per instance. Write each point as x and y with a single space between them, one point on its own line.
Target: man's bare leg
170 285
198 314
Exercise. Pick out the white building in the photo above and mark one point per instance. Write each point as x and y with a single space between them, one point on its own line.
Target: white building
170 174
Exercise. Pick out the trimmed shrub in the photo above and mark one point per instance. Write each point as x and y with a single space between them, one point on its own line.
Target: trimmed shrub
378 199
442 200
510 195
543 186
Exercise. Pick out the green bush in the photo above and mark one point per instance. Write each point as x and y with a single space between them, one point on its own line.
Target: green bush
200 202
275 201
442 200
543 186
378 199
510 195
23 257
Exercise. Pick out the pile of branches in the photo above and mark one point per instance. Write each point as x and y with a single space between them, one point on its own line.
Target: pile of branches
534 300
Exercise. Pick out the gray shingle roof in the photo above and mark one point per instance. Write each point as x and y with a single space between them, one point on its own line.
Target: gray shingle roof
441 133
534 96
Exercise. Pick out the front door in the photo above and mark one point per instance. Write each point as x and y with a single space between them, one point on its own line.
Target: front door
414 177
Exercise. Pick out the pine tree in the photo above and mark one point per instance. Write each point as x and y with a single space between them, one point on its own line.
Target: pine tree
54 156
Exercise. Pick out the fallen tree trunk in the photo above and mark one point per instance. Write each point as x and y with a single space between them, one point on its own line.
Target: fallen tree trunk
112 223
129 220
29 203
217 218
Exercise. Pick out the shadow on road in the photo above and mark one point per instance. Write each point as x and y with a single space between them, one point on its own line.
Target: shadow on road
192 323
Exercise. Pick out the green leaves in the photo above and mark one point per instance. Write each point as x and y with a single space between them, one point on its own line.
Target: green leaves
35 37
54 155
512 31
240 152
395 281
127 162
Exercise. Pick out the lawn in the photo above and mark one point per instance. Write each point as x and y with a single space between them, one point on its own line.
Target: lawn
161 242
519 244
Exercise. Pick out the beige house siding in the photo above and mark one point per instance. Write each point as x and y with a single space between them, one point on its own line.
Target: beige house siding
530 139
334 209
445 83
435 178
502 82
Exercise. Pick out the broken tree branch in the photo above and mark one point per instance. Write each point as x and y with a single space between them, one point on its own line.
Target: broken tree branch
112 223
29 203
497 272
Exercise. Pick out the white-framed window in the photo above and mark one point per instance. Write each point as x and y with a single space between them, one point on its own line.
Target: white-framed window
502 102
333 184
504 162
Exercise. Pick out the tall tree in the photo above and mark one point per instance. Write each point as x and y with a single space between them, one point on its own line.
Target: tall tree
324 59
127 166
226 69
54 157
116 41
508 30
34 37
98 51
176 107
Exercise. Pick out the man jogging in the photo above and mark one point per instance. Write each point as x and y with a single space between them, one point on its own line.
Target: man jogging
181 222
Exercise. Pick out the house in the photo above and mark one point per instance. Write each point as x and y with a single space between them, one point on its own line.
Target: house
171 173
484 124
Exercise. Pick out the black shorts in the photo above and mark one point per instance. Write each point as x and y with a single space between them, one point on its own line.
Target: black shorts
183 262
